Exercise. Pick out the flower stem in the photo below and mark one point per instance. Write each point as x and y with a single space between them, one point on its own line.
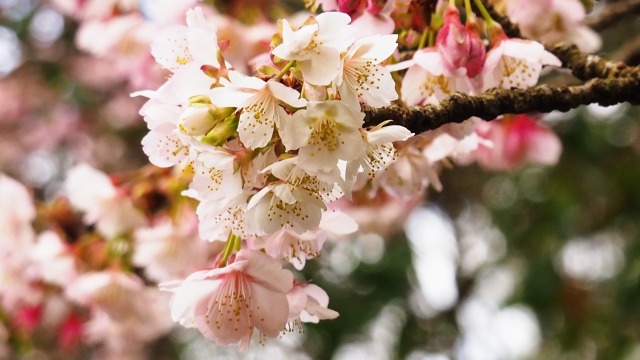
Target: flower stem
467 8
423 38
285 69
229 248
484 12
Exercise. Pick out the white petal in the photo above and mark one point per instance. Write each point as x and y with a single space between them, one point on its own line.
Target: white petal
339 223
295 131
286 94
388 134
322 67
334 30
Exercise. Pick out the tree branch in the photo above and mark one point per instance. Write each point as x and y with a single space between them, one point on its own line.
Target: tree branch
495 102
612 13
588 66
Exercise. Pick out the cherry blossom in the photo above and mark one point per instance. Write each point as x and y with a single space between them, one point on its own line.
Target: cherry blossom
380 151
363 76
92 192
324 133
308 303
260 103
317 47
16 214
181 45
168 141
514 141
124 313
53 259
515 63
553 21
167 251
227 303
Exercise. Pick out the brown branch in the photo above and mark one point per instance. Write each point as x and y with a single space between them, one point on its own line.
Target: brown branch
612 13
587 66
496 102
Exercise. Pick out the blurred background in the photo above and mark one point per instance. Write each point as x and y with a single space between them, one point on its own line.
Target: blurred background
540 263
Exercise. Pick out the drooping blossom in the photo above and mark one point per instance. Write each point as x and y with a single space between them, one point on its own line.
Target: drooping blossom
287 245
309 303
380 151
225 304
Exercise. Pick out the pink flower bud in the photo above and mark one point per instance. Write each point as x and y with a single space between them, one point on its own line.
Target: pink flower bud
374 7
348 6
453 40
477 50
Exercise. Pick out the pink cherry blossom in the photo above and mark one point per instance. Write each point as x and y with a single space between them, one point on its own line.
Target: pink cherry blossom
92 192
553 21
308 303
227 303
16 214
168 249
124 312
515 141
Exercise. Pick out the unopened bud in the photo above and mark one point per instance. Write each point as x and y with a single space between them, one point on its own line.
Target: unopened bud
222 131
195 121
201 118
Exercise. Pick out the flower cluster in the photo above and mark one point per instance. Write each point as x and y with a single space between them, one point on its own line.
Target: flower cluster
267 161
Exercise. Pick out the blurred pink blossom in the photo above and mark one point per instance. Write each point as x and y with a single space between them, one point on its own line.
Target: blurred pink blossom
516 140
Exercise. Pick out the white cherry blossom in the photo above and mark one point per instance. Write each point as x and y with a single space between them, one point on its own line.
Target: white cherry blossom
317 47
323 133
515 63
260 104
167 144
283 206
195 43
362 76
379 152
